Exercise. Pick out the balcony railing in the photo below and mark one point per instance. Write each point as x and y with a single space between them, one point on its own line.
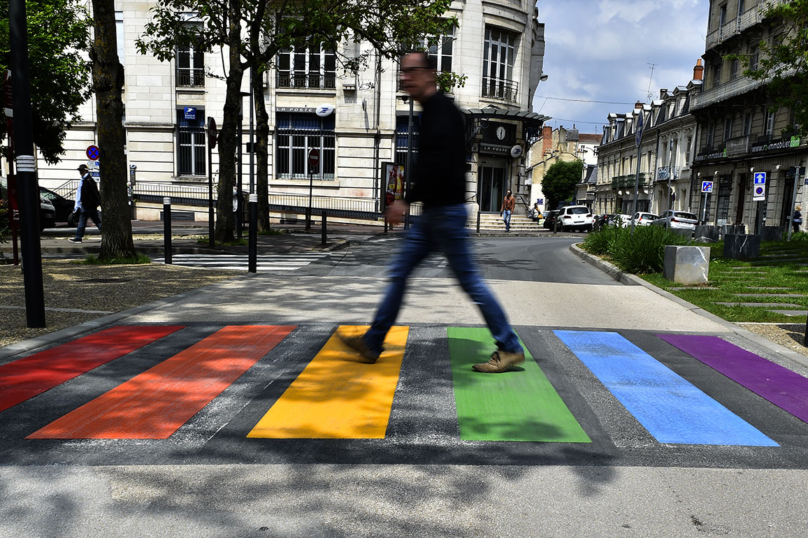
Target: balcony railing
738 145
503 90
313 81
191 77
737 25
729 89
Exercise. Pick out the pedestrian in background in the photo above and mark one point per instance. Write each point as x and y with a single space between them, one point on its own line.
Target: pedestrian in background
440 183
87 201
797 219
508 203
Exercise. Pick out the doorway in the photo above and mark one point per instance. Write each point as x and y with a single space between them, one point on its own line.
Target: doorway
492 187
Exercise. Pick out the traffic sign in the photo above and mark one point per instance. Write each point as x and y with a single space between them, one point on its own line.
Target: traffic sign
760 193
93 153
760 178
314 158
211 133
707 186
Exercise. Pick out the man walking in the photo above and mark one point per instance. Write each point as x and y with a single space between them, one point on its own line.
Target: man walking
440 184
508 203
87 201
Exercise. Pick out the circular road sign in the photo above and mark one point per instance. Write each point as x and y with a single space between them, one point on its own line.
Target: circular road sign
759 191
93 153
212 133
314 158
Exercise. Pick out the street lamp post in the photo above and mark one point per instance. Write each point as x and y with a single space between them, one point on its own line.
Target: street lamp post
407 170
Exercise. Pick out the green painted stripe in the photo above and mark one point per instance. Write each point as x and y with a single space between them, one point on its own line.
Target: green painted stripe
519 405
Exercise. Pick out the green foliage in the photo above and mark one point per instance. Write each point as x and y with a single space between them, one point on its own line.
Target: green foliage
799 236
449 81
560 180
58 34
782 60
139 259
640 252
5 231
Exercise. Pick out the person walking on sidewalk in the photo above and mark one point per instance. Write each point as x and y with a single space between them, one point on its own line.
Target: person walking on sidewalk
440 183
508 203
87 201
796 221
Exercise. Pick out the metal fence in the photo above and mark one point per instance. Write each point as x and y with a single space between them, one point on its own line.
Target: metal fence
191 77
327 81
504 90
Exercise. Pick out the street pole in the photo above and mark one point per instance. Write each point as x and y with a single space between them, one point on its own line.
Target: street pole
239 168
407 171
26 167
638 141
793 200
670 176
211 144
252 139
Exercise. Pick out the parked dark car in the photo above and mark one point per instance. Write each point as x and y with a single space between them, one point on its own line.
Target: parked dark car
550 218
64 206
47 212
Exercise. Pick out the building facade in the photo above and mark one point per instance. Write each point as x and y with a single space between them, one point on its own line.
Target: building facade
739 136
498 45
667 144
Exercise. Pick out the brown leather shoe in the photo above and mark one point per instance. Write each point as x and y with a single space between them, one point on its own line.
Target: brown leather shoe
357 343
501 361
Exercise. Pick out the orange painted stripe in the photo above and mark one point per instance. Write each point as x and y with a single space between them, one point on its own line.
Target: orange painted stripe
154 404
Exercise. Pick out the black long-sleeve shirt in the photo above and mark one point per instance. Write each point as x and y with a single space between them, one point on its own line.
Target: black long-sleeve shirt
439 177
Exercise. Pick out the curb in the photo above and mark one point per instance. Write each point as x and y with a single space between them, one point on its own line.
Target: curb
633 280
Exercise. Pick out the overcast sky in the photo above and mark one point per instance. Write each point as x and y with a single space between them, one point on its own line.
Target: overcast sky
602 50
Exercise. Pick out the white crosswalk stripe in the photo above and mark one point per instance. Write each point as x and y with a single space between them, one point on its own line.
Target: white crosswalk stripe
240 262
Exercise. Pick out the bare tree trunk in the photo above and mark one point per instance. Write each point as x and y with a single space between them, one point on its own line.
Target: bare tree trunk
108 78
225 219
262 146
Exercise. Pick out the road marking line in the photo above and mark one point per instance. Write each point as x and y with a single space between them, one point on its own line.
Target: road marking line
519 405
154 404
32 375
667 405
336 396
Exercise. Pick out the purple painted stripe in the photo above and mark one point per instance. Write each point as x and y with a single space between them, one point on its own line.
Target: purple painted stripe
782 387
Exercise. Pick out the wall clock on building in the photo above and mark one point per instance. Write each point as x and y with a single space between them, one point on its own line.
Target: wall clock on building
501 132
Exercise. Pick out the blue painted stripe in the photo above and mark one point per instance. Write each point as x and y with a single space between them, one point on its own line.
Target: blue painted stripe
667 405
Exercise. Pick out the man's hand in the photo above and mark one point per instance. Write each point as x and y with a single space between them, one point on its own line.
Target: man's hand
396 211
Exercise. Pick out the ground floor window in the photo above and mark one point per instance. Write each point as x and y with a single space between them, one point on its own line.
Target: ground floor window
191 141
724 194
402 125
297 135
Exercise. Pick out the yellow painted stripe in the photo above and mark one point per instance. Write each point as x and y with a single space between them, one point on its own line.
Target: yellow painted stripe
336 396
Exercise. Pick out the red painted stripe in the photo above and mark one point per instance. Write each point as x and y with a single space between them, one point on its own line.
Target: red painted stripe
154 404
25 378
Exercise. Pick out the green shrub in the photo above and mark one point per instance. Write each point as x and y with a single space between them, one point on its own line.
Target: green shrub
640 252
799 236
599 242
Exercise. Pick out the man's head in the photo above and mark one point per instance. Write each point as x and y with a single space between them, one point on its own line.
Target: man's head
509 193
83 169
418 76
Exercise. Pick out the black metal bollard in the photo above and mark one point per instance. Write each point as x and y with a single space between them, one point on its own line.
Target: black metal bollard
478 222
167 229
324 229
252 264
555 226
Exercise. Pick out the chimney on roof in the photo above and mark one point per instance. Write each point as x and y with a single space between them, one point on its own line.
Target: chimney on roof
638 105
547 139
698 71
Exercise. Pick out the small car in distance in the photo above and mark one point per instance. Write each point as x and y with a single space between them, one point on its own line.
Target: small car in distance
641 218
681 220
550 219
64 206
576 217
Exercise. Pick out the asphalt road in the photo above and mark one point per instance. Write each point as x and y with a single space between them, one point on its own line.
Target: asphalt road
422 477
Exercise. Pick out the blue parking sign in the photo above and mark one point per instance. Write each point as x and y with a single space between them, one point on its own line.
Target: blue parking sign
706 186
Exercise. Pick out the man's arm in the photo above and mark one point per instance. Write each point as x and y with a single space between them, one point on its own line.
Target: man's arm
78 196
396 211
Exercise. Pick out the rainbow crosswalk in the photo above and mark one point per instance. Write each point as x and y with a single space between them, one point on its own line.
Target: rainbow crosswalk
337 397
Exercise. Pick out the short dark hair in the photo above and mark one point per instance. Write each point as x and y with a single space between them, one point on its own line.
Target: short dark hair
428 61
82 168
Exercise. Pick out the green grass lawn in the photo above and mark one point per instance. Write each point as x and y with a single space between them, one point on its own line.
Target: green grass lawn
780 265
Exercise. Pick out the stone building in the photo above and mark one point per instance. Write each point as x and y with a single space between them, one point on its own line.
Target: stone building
559 145
498 45
739 137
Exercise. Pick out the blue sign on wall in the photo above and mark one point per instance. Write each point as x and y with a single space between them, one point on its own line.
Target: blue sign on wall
190 112
760 178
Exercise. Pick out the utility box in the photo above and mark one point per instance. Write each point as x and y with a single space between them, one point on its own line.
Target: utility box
688 265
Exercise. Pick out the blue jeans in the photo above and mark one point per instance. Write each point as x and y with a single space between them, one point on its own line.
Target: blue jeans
507 218
83 216
444 229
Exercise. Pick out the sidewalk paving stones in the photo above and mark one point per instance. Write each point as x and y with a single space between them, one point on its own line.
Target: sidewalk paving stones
762 305
769 295
801 313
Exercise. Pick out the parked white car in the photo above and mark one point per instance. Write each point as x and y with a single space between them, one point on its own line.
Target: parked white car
576 217
621 219
641 218
680 220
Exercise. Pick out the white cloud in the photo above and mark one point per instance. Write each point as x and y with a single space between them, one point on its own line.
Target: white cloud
603 50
